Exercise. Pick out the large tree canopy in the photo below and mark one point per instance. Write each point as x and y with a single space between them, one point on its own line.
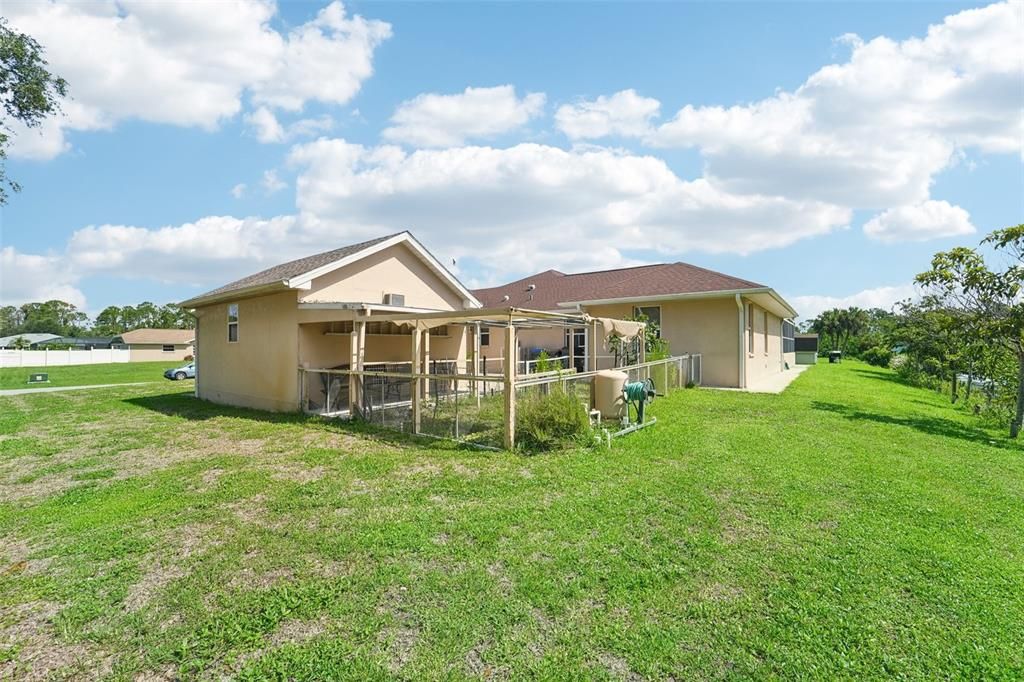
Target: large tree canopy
28 91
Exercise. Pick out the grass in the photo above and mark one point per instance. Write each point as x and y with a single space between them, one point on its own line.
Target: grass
85 375
851 527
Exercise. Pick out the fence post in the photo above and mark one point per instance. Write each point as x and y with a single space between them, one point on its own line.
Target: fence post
510 387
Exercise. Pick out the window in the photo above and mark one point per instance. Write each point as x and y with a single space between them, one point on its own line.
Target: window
750 328
168 348
653 315
485 336
766 332
788 332
232 323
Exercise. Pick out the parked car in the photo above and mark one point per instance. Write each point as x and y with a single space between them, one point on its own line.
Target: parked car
184 372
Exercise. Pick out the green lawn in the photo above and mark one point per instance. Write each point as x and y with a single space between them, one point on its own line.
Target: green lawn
84 375
852 527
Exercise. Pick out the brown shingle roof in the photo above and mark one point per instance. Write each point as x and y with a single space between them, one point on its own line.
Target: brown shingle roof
295 268
161 336
664 279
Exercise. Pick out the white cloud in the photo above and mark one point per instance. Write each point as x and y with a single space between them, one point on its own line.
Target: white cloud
29 277
869 133
433 120
208 251
189 63
265 125
884 297
533 206
272 183
238 191
927 220
624 113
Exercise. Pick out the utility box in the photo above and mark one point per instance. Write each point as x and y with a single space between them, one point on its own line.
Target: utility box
40 378
806 346
608 393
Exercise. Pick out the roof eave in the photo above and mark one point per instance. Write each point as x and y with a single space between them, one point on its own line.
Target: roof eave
235 294
684 296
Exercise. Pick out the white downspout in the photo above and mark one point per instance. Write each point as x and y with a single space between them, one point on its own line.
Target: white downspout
742 364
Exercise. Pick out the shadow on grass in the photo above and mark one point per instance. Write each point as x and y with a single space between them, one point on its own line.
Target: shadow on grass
936 426
187 406
882 375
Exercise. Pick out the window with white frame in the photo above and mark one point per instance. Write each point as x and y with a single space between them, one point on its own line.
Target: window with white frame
652 313
232 323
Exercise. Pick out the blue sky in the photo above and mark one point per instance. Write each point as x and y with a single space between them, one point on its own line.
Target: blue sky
235 136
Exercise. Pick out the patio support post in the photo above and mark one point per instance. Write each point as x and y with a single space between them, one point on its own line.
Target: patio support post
474 354
593 346
360 360
510 386
426 363
415 392
572 349
353 380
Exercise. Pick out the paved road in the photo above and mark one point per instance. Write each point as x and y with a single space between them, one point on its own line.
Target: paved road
54 389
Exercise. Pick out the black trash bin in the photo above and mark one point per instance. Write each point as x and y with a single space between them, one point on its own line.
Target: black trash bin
835 356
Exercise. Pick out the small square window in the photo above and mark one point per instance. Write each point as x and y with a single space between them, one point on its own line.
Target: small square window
168 348
652 315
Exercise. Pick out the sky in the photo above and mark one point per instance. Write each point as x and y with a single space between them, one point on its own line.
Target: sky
824 149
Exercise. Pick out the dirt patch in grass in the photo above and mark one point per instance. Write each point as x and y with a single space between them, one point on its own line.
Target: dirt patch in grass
297 473
170 561
298 631
29 629
476 666
617 667
720 592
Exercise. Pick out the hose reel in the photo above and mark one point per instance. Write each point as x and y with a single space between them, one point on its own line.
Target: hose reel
638 394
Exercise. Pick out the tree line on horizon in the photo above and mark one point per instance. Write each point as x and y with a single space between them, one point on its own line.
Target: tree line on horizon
65 319
965 336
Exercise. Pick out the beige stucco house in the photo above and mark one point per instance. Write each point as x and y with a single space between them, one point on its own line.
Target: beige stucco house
147 345
349 309
743 330
254 334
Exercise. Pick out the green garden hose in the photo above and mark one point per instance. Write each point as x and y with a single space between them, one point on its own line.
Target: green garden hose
638 393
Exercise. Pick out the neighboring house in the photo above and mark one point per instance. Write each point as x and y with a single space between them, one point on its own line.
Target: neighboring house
742 329
75 342
253 335
30 339
148 345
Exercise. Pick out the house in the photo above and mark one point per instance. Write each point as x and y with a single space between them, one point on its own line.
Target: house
387 306
253 335
147 345
28 339
75 342
743 330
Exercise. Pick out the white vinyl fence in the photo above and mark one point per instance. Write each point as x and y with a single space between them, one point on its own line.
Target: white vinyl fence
51 358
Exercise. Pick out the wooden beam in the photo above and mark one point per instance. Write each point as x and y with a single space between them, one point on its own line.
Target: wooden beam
510 387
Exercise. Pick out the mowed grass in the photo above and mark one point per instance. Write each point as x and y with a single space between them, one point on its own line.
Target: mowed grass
852 527
86 375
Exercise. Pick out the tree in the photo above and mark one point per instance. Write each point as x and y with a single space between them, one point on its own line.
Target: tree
21 343
988 303
29 92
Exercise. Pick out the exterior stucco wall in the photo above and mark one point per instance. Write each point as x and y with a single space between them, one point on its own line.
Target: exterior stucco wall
706 326
154 352
767 356
395 270
260 370
789 359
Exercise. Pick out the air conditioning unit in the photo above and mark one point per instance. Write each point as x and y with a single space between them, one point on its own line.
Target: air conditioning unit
394 299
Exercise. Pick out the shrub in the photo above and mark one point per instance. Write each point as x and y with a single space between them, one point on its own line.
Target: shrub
189 358
877 356
544 363
552 420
